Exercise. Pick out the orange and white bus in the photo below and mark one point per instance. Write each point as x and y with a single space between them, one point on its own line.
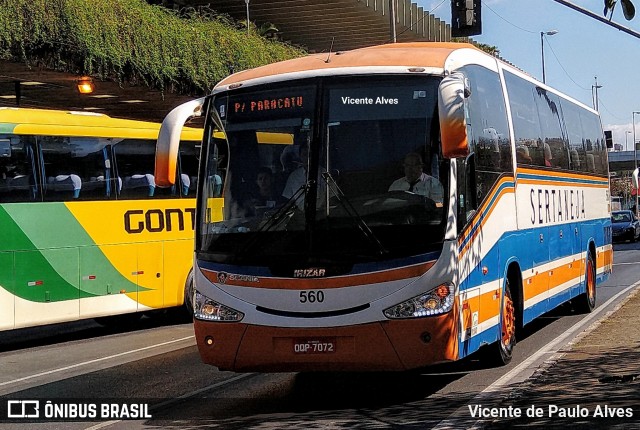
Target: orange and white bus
427 199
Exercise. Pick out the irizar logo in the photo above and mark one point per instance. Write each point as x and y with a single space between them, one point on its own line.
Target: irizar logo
312 272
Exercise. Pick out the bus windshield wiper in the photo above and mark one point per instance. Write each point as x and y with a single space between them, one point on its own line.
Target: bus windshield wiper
353 213
285 213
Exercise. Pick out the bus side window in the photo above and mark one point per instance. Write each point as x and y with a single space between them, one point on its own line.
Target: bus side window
17 170
135 161
187 169
489 129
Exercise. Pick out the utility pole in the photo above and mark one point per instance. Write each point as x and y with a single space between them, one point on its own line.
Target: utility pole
392 21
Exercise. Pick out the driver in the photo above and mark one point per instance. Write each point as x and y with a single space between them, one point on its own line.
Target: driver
418 182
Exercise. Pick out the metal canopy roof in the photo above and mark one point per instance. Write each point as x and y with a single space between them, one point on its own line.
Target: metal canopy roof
23 86
350 24
313 24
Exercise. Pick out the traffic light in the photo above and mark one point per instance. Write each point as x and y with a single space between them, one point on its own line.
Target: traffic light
608 138
465 18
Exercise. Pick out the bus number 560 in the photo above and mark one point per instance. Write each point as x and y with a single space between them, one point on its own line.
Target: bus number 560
311 296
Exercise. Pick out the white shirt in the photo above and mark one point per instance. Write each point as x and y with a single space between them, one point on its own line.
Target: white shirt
427 186
295 180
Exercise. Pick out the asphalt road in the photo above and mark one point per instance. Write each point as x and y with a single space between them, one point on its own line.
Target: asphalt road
157 364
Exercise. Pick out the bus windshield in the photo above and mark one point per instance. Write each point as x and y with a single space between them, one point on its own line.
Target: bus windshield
344 170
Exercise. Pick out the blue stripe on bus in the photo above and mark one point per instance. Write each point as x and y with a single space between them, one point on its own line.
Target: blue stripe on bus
510 244
562 179
472 344
477 223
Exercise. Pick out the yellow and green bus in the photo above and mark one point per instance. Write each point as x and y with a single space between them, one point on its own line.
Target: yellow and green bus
85 230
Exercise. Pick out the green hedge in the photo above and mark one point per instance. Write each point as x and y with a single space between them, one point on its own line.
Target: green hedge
133 41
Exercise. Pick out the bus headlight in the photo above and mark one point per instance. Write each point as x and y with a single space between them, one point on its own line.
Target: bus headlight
210 310
434 302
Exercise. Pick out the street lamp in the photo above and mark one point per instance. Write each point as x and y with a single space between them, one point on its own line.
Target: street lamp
595 98
542 34
635 156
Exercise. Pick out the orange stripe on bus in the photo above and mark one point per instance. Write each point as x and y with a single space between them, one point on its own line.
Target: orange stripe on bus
542 282
551 182
487 305
561 174
483 222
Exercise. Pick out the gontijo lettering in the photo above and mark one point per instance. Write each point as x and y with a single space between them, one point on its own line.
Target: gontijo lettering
157 220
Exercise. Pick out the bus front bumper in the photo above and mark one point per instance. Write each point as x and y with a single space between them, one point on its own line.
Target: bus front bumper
380 346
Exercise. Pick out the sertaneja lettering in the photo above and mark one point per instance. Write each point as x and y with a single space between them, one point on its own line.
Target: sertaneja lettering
550 206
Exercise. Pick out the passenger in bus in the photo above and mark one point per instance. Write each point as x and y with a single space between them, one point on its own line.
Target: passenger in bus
522 155
547 155
265 194
298 178
254 199
9 173
418 182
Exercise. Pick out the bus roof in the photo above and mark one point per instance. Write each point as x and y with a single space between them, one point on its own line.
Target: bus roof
48 122
431 54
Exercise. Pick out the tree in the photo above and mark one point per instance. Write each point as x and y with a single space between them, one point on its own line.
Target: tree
628 9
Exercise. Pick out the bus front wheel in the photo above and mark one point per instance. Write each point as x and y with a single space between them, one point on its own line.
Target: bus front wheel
501 351
188 295
586 302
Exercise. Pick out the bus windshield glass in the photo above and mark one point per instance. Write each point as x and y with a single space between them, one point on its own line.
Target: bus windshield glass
343 170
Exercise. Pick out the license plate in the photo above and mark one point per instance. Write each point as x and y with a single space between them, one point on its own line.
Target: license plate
314 346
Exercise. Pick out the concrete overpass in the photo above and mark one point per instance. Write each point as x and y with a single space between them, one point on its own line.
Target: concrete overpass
348 24
622 161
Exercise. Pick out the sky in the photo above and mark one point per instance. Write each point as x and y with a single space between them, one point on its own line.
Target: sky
581 50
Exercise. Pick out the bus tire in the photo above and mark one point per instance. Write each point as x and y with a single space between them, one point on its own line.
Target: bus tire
586 302
188 295
501 351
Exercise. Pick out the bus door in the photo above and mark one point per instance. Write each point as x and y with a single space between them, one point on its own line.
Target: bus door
536 277
561 243
150 275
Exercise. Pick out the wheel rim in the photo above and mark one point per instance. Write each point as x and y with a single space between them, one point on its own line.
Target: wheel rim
508 321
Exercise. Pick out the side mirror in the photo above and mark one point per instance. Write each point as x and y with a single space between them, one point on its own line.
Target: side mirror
169 140
453 124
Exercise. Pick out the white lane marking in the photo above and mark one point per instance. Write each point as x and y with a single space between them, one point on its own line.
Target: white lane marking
177 399
97 360
524 370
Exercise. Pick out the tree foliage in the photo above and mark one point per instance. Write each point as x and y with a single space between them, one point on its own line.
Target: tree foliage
133 41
